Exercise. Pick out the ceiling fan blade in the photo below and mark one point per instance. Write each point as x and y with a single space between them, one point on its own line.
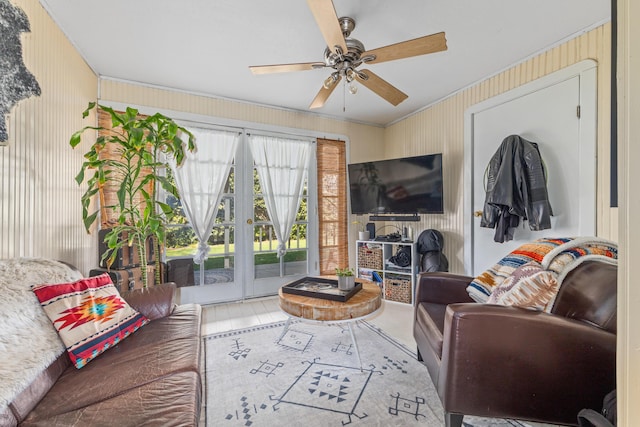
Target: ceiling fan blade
285 68
324 94
382 87
420 46
327 20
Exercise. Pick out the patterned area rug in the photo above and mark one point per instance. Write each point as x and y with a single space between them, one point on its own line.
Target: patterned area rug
311 376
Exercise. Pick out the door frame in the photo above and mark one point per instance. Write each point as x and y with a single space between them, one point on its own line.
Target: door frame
587 71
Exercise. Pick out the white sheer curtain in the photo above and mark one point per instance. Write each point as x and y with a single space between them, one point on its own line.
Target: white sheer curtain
282 165
200 181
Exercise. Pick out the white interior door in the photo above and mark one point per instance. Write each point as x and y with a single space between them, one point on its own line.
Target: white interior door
545 112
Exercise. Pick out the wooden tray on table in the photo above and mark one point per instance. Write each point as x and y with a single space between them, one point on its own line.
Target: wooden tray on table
319 287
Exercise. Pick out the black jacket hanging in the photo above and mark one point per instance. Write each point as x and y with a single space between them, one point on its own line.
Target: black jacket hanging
516 188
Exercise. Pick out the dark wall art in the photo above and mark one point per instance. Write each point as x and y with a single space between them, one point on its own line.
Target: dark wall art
16 82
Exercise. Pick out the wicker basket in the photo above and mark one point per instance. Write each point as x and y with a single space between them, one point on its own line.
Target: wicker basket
397 289
369 257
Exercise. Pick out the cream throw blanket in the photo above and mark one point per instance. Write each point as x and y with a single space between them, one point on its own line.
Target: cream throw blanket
28 340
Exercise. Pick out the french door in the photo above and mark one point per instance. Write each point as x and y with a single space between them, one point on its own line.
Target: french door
243 261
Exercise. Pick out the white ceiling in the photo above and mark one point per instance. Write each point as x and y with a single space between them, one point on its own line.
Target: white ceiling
206 46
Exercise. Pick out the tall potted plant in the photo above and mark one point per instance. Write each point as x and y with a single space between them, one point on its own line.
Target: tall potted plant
135 171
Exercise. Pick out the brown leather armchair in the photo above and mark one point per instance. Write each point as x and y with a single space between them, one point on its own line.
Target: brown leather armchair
508 362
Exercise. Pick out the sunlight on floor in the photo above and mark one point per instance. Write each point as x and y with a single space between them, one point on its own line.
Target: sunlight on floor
396 319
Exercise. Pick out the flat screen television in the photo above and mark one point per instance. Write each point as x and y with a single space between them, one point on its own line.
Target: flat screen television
410 185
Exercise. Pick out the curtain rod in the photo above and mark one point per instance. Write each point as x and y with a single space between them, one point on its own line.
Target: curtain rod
283 135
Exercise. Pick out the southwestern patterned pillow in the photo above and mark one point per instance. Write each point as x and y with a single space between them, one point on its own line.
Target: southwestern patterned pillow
89 314
529 286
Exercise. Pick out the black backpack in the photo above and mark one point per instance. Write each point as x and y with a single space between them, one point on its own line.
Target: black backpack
402 258
606 418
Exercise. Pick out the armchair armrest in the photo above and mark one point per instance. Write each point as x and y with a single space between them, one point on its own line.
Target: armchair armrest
517 362
443 288
154 302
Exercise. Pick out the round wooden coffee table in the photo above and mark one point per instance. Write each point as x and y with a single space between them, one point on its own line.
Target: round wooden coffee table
363 304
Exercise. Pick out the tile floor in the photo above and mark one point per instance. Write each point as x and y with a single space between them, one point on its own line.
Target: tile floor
396 319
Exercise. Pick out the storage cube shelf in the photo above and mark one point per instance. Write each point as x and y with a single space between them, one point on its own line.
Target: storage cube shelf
369 257
373 261
398 289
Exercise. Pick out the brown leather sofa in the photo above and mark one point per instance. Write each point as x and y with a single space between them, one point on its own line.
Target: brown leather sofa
152 378
507 362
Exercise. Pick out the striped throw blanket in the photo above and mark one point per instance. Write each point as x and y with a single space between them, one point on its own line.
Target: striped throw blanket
556 255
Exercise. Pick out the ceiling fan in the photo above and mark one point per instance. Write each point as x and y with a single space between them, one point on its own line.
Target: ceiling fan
344 55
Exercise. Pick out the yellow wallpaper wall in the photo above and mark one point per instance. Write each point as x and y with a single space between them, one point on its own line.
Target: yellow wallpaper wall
40 211
364 140
440 128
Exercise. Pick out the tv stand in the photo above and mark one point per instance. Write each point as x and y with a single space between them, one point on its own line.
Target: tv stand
373 263
413 218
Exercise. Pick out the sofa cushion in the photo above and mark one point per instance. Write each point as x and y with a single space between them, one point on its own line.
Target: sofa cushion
89 314
162 348
173 400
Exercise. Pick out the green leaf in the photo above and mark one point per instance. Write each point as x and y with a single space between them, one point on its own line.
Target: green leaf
166 183
147 212
145 195
75 139
80 177
89 220
154 224
90 107
112 237
132 113
166 209
122 194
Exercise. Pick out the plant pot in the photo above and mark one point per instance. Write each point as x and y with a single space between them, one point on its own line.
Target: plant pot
346 283
363 235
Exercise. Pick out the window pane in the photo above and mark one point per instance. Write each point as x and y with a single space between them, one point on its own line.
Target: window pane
260 210
302 210
264 238
217 269
180 241
298 237
222 239
267 264
230 186
256 182
226 210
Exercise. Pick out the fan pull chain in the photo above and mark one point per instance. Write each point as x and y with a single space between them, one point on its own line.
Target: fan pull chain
344 96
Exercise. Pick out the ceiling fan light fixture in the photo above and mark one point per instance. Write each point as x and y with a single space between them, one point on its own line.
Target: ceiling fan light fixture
330 81
350 74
